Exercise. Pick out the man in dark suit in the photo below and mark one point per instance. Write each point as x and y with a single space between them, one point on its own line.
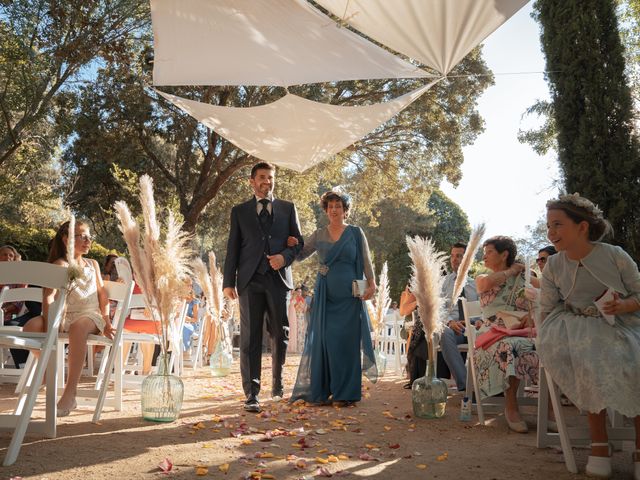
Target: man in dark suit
257 271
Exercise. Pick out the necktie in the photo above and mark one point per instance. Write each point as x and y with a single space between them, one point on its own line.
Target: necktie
265 210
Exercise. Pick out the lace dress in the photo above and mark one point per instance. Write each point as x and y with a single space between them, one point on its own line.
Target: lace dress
596 365
82 299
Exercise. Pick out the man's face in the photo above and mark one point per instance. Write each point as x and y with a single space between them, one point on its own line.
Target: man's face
263 182
456 258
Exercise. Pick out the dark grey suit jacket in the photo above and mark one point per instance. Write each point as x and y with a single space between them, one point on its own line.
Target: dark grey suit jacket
245 246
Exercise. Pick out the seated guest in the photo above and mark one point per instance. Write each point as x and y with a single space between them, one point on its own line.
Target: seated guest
109 271
9 309
503 364
416 343
453 333
16 314
541 262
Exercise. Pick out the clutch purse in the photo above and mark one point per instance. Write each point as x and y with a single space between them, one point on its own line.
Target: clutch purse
358 288
511 319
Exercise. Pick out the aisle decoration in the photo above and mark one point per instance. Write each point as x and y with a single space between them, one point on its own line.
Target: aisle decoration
217 330
161 268
383 300
429 393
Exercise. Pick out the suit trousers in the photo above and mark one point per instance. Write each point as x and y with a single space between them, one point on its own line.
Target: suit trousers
264 298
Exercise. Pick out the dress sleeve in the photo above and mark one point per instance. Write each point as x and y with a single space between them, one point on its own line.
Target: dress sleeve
628 273
309 246
549 293
366 256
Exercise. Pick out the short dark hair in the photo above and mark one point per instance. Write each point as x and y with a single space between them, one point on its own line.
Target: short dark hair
262 166
502 244
550 249
459 245
331 196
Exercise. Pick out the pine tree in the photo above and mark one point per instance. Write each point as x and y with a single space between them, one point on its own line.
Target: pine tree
597 149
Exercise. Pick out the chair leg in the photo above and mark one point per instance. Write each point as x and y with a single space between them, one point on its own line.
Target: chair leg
476 387
565 441
23 422
542 434
29 368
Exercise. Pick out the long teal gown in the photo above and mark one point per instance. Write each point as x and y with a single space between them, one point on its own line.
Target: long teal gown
338 346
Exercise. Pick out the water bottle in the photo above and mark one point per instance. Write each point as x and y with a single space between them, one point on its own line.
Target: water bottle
465 410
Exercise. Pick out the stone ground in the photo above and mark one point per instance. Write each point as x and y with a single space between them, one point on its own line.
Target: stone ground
215 438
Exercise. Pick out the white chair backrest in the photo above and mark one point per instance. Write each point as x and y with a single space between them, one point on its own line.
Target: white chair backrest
42 274
137 301
22 294
33 273
471 310
124 269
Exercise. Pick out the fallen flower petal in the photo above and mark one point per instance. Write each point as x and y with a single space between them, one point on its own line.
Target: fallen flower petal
201 471
165 465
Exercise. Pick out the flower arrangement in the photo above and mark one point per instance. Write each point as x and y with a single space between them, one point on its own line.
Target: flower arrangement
579 201
426 282
160 263
465 264
211 283
74 270
383 300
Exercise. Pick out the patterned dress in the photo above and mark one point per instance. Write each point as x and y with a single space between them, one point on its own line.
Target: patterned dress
595 364
82 300
509 356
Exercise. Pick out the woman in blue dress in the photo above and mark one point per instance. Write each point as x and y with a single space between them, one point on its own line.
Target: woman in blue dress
331 366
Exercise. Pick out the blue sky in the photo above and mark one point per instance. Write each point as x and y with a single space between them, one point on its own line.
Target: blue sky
505 183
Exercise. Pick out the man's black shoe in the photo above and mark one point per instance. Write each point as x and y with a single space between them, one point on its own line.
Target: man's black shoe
277 394
252 404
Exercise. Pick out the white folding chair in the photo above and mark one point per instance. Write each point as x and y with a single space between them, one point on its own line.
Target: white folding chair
617 432
26 294
111 356
496 404
136 376
48 276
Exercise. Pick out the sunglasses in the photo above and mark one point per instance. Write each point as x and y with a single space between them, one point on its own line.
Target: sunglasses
84 237
541 260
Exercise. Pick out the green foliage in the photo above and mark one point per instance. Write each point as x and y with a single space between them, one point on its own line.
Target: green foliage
592 108
33 243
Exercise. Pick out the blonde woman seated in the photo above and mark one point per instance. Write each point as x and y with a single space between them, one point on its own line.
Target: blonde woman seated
502 365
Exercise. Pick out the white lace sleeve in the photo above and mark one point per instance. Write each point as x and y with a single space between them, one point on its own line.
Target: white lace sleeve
629 274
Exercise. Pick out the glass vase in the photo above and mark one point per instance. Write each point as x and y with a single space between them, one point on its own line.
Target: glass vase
381 362
162 394
221 360
429 393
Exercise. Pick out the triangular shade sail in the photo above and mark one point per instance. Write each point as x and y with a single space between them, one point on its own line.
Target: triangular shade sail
438 33
261 42
294 132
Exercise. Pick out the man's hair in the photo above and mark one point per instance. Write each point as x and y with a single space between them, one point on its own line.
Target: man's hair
459 245
262 166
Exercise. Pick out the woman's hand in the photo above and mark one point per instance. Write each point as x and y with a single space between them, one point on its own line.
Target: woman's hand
108 331
526 321
619 305
292 242
531 293
369 292
515 269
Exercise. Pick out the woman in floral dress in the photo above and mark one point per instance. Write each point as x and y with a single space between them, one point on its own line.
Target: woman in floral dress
502 365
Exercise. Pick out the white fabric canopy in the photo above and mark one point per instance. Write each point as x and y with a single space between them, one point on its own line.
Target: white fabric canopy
438 33
294 132
261 42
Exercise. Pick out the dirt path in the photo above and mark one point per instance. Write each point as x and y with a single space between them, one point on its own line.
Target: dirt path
379 438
